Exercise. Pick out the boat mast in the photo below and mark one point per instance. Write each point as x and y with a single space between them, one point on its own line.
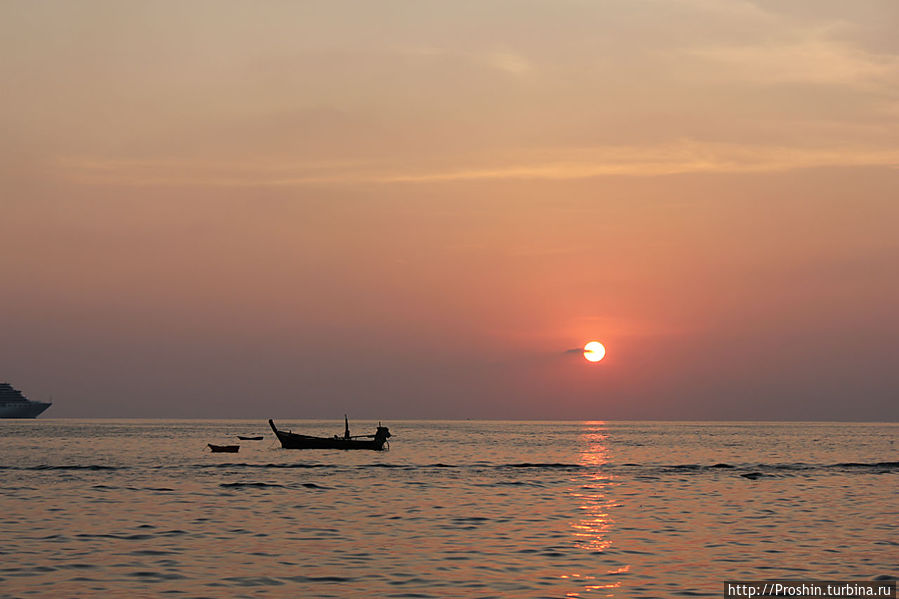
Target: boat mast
346 432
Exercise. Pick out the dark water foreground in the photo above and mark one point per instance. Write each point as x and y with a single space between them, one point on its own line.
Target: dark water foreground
454 509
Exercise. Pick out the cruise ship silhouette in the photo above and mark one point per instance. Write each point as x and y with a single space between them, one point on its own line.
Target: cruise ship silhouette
15 405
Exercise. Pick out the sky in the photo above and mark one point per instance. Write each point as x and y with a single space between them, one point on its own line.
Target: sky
407 209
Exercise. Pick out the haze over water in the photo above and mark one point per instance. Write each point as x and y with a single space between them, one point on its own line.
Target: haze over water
454 509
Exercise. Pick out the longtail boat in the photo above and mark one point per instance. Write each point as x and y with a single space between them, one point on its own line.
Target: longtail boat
290 440
259 438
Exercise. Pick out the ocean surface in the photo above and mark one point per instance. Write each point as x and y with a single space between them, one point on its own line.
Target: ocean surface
141 508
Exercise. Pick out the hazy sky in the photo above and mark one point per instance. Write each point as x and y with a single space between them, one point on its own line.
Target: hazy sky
414 209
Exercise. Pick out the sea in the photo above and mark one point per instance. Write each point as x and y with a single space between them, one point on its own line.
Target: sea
142 508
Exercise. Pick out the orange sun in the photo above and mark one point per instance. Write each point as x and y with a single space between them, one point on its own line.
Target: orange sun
594 351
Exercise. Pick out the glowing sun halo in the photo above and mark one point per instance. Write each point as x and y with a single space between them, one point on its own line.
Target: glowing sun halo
594 351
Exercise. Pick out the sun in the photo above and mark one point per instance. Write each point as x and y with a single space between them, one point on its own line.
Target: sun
594 351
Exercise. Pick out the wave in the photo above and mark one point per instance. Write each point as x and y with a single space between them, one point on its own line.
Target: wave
263 485
630 467
753 471
673 468
545 466
862 465
248 465
65 467
132 537
257 485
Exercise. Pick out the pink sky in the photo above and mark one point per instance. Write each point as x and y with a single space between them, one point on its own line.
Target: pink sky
406 209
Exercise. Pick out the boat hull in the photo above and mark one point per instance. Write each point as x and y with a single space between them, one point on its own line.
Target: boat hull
224 448
294 441
28 409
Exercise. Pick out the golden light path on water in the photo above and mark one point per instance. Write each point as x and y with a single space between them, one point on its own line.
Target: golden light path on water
592 531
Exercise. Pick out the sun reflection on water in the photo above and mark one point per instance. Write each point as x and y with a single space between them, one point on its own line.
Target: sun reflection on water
592 531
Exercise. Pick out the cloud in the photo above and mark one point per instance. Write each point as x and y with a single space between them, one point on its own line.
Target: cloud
212 173
508 62
776 45
815 60
500 59
686 156
667 159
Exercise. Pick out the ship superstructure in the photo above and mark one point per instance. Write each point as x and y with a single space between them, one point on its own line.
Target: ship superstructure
15 405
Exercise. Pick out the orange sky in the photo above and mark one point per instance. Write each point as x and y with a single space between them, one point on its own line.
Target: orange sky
408 209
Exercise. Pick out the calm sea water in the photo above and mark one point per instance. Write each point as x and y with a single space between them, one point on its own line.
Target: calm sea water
103 508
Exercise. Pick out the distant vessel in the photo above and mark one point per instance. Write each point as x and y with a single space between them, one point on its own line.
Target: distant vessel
15 405
224 448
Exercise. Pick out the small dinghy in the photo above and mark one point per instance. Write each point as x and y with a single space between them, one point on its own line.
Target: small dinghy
224 448
259 438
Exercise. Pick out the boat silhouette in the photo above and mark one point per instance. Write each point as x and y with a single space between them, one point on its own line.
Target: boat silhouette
224 448
290 440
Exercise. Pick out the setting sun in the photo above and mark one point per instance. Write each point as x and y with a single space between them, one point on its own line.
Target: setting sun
594 351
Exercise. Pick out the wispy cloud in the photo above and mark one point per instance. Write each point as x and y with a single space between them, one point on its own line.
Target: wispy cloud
557 164
500 59
508 62
815 59
669 159
224 173
814 49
